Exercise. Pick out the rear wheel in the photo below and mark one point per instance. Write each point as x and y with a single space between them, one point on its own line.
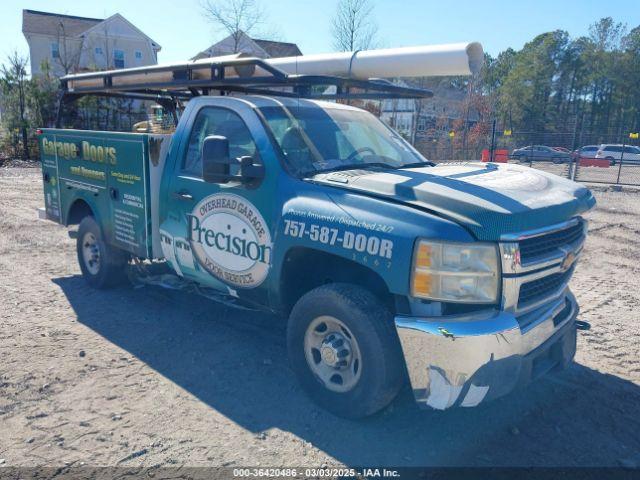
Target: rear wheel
612 161
101 264
344 349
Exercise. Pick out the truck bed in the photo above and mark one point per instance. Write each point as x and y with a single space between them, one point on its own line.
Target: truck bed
117 175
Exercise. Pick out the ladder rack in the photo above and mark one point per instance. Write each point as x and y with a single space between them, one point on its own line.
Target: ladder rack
222 75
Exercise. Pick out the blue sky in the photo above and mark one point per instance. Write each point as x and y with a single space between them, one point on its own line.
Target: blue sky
183 31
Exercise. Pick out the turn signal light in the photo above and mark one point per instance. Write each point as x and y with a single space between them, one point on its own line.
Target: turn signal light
422 283
423 256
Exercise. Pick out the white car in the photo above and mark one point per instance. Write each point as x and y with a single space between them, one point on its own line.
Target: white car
614 153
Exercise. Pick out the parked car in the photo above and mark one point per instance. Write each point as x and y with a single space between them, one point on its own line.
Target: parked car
614 153
588 151
540 153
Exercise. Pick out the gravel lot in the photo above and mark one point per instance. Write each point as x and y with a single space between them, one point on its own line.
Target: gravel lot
145 376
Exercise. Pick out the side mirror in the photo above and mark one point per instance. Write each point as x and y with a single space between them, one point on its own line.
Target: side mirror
250 172
215 159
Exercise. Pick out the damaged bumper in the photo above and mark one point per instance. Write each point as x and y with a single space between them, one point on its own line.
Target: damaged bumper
466 359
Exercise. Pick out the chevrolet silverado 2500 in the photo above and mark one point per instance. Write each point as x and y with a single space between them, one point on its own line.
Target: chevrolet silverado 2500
388 267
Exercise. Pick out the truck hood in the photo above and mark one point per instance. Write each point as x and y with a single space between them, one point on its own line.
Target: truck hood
488 199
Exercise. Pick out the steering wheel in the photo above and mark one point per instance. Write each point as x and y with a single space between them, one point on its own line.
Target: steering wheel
360 151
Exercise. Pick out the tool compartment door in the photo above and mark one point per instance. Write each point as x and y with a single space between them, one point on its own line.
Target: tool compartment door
51 182
107 171
128 188
80 177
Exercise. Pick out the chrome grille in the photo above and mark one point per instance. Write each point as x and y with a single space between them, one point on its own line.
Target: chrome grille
534 247
542 287
537 264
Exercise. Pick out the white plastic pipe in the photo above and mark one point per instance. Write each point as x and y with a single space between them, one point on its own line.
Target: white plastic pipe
422 61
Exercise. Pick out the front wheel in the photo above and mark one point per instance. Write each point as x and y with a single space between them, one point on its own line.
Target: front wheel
101 264
344 349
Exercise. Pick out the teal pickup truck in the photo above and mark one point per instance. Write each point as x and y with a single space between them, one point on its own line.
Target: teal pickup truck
390 269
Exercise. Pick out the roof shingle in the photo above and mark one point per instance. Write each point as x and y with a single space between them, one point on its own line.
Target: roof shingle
278 49
47 23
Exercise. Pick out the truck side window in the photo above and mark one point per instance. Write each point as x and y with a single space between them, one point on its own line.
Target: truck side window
218 121
288 132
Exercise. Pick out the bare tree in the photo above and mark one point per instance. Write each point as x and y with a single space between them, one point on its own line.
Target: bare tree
353 26
14 85
235 17
69 50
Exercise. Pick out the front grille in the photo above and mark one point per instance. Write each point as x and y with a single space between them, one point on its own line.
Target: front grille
542 287
533 247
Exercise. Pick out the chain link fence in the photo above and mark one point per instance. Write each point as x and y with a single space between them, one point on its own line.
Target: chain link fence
596 158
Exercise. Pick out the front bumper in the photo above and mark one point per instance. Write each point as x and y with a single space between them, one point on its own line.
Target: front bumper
463 360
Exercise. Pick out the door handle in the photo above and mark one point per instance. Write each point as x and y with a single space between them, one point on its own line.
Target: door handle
182 195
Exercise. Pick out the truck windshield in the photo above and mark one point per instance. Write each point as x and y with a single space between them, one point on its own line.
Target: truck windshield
315 139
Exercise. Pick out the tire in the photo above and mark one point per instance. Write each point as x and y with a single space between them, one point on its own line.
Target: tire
102 265
369 335
612 161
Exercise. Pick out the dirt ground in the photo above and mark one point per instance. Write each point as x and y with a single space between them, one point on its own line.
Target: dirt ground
146 376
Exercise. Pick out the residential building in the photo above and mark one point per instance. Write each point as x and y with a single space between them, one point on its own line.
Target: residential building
253 47
71 44
432 117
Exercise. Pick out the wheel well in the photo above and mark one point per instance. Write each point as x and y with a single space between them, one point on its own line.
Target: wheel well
305 269
79 209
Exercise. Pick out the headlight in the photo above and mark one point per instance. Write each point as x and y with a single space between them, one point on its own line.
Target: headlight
455 272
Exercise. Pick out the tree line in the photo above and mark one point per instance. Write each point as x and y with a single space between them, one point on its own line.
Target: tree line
26 103
556 82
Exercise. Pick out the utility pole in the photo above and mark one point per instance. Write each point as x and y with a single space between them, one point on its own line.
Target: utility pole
492 150
575 159
624 144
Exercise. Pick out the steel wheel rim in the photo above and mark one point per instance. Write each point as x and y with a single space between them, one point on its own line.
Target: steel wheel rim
325 343
91 253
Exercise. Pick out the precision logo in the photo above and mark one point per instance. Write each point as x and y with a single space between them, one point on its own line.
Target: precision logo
230 240
227 242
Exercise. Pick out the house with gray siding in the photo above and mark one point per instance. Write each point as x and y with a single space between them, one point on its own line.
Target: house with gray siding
243 43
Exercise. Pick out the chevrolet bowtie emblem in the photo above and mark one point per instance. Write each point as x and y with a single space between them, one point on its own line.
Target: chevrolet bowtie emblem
568 261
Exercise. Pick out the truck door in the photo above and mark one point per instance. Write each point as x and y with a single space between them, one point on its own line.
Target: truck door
220 234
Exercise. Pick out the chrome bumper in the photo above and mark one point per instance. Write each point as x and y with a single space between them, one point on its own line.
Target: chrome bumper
466 359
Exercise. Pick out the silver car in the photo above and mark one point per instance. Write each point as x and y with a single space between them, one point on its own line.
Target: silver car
614 153
540 153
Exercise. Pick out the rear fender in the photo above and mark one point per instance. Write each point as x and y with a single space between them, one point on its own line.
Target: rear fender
72 219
